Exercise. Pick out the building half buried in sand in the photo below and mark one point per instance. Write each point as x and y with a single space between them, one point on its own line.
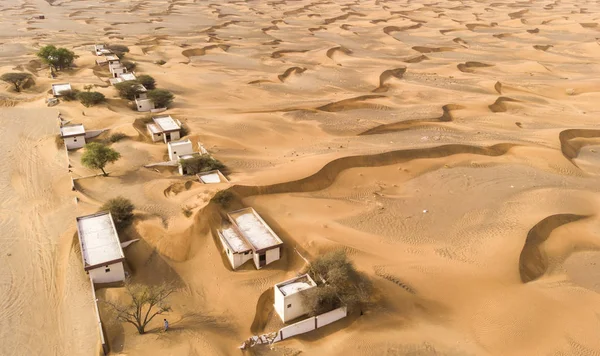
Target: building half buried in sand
288 297
164 128
249 238
73 136
100 248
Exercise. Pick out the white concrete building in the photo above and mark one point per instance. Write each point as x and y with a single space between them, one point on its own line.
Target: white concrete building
141 92
100 248
116 69
144 105
164 128
101 50
183 171
127 76
288 297
265 244
73 136
112 59
237 249
179 148
57 89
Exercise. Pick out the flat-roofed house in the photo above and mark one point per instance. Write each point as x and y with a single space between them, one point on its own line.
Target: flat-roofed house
116 69
238 250
288 297
58 89
164 128
212 177
179 148
73 136
265 244
101 50
112 59
100 248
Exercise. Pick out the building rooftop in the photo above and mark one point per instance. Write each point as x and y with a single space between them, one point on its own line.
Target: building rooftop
166 123
152 127
99 240
295 285
58 88
254 229
212 177
72 130
112 58
127 76
177 144
140 88
234 240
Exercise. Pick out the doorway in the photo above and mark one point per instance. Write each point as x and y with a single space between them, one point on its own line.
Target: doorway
262 259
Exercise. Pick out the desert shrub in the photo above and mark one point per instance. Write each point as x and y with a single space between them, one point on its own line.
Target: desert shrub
69 95
121 210
201 163
118 50
129 65
128 90
187 212
223 198
116 137
56 58
147 81
90 98
18 80
161 97
339 283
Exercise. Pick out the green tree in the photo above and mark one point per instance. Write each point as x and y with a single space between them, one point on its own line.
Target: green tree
56 58
121 210
16 79
128 90
145 302
90 98
147 81
201 163
339 283
223 198
161 97
97 156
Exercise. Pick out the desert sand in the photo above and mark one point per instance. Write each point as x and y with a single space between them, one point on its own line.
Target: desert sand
451 148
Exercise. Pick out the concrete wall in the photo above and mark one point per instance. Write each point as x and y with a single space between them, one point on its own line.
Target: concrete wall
279 302
300 327
175 136
273 255
74 142
103 341
116 273
330 317
155 137
144 105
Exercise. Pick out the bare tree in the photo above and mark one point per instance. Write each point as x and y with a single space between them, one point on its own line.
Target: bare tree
145 303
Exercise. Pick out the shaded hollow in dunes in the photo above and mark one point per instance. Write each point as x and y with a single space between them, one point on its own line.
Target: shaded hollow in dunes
569 146
499 105
409 124
386 75
327 175
290 71
533 261
264 309
391 29
334 50
193 52
467 67
423 49
416 59
543 47
353 104
279 54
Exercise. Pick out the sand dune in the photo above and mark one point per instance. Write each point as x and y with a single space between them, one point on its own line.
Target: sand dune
499 105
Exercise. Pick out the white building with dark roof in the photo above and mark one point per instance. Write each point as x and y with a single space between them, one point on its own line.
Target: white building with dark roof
262 240
100 248
73 136
164 128
288 297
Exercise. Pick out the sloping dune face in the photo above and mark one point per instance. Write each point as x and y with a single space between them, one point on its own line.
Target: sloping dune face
450 148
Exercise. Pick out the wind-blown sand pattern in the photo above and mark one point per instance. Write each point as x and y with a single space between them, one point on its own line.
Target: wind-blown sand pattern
451 148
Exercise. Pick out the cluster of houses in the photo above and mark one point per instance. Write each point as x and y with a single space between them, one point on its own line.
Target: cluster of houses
244 237
119 74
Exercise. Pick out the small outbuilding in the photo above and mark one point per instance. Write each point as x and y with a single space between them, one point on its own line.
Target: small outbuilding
144 105
58 89
73 136
262 240
164 128
212 177
100 248
288 297
179 148
237 249
101 50
116 69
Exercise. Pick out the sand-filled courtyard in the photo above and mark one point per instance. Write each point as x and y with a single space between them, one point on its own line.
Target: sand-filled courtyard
450 148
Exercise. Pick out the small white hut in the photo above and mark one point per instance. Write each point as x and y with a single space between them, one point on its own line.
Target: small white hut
179 148
164 128
100 248
288 297
58 89
73 136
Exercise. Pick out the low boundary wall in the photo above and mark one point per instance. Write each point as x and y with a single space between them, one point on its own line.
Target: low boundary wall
100 329
310 324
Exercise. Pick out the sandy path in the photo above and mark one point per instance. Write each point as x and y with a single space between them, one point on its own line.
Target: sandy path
35 316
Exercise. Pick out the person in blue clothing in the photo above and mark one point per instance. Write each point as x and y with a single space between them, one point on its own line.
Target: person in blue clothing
166 325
